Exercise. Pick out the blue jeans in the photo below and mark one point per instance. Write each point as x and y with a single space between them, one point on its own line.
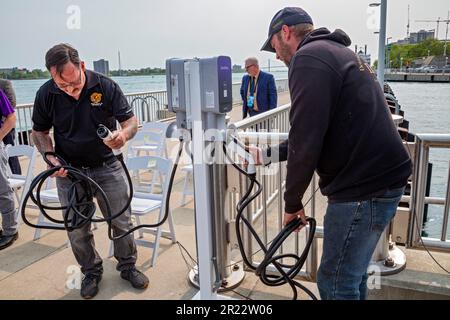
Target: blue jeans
351 233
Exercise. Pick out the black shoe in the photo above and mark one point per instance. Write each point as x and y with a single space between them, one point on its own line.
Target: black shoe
137 279
6 241
89 286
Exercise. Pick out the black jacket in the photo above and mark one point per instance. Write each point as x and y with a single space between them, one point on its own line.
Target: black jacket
340 125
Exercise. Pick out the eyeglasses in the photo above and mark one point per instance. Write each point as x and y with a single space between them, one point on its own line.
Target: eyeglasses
71 84
248 67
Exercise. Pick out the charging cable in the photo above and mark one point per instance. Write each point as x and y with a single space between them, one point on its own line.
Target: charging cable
287 271
80 209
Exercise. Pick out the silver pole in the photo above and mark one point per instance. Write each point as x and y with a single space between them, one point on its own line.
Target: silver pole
311 266
382 43
446 35
446 209
202 187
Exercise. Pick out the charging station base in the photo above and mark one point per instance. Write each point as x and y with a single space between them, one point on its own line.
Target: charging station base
232 281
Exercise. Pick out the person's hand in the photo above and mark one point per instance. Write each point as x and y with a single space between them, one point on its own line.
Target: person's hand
117 140
288 217
256 153
61 173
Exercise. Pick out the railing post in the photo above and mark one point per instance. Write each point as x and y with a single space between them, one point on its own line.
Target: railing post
418 192
311 262
446 208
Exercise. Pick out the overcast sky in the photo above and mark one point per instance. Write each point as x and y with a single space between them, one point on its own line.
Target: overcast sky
148 32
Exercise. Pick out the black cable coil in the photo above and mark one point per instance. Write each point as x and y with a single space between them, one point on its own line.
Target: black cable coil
287 272
81 209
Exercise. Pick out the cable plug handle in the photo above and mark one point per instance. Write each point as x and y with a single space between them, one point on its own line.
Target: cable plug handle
105 134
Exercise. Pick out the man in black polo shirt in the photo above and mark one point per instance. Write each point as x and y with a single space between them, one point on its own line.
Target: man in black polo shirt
75 102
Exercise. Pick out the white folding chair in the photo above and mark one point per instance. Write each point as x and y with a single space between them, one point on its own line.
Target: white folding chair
48 195
21 181
161 129
144 203
150 143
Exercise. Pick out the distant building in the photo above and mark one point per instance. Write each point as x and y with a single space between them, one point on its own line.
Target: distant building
8 70
101 66
403 41
238 68
422 35
417 37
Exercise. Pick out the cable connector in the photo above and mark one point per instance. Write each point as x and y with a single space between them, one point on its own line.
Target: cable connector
105 134
237 147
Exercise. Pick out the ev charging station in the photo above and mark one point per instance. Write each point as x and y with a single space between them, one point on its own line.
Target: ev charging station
200 93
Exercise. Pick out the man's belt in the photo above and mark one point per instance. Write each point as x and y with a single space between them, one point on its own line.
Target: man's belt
107 162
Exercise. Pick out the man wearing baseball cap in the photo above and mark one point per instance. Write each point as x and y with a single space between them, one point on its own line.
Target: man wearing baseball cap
341 128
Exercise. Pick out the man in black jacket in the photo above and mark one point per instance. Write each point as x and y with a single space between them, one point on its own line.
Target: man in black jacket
340 127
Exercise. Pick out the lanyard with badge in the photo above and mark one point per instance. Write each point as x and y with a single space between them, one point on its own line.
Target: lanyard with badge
252 90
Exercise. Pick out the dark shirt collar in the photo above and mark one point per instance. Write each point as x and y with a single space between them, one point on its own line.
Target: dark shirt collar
92 79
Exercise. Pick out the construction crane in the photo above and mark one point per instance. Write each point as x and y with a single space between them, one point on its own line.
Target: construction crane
437 29
407 26
446 34
438 21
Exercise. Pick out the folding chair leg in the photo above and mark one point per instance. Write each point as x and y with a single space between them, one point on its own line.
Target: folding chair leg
171 227
157 239
111 249
183 199
16 192
37 232
140 231
154 174
19 216
156 247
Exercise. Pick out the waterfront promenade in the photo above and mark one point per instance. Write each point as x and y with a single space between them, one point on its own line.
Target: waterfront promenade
46 268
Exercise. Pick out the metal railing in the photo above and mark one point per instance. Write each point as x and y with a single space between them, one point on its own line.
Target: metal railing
270 205
147 106
419 199
24 114
262 207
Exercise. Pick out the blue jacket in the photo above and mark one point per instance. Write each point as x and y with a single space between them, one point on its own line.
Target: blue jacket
266 95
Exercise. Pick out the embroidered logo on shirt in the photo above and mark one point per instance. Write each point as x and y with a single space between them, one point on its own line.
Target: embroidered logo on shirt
96 99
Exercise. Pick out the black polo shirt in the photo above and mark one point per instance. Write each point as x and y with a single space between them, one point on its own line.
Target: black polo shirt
75 122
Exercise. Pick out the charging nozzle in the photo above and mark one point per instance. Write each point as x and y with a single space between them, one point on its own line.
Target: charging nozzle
105 134
238 147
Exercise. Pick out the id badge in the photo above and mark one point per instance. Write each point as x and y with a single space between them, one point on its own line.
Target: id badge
250 101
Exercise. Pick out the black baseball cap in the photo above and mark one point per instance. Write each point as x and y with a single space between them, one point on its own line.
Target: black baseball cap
288 16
